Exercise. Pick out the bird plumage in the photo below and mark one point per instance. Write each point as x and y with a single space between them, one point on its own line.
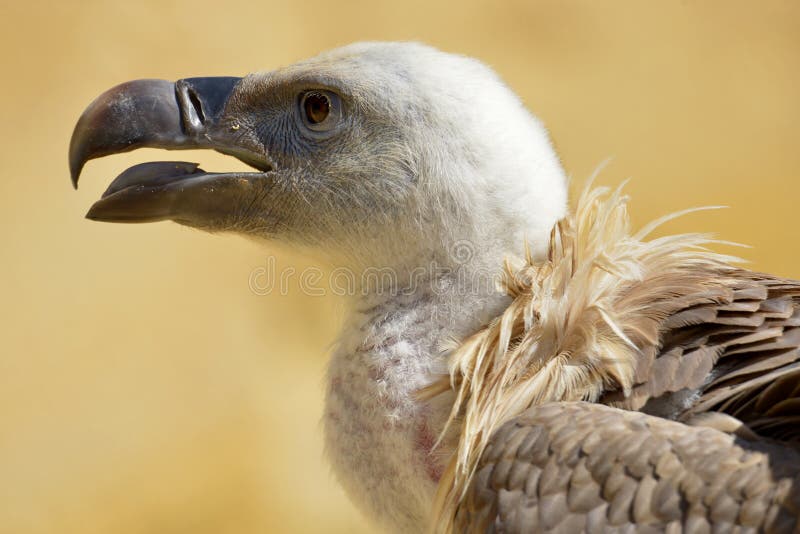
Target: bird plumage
665 327
583 467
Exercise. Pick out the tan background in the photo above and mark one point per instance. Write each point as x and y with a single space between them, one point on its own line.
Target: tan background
145 389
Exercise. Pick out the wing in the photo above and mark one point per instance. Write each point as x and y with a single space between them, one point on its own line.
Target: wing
583 467
587 467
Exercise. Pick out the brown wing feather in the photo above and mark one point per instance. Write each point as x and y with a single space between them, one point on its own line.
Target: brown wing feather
581 467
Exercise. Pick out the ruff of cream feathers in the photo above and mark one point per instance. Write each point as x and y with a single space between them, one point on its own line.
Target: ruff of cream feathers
574 328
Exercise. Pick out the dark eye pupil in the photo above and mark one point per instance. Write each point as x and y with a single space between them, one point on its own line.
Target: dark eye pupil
317 107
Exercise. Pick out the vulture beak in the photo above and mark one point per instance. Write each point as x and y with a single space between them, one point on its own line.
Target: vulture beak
190 113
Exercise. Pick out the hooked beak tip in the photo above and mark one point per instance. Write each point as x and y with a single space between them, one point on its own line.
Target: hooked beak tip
76 162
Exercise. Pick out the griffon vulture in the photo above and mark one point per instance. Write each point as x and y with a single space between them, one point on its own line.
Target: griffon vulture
604 381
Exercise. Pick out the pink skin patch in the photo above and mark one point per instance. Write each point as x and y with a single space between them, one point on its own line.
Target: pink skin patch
425 440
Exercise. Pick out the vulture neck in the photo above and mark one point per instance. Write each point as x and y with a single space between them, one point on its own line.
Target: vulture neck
379 436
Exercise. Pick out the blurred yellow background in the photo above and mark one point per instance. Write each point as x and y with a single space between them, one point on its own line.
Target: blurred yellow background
145 389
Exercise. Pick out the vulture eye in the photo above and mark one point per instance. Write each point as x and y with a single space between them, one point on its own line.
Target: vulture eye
320 110
317 107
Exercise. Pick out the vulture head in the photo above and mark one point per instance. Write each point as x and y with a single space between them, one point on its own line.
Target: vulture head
374 154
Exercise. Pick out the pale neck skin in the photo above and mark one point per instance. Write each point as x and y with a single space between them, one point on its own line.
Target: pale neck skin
379 437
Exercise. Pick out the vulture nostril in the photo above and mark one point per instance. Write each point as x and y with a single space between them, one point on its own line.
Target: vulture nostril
198 107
